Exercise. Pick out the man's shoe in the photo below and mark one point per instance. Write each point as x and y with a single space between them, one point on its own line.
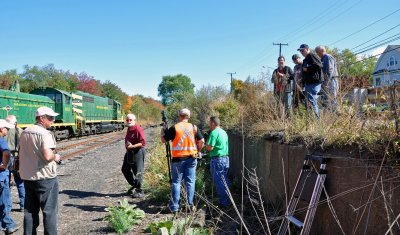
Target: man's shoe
130 190
11 230
138 195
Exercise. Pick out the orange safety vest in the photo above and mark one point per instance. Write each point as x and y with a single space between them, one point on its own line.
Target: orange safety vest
184 144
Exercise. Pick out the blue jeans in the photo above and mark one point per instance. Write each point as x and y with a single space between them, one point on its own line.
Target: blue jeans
331 88
219 171
6 221
288 99
41 195
186 170
21 190
311 92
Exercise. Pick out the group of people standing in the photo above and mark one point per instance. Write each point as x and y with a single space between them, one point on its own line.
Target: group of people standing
186 144
31 157
318 70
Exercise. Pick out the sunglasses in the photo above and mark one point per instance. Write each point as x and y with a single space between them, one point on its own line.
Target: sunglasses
50 118
129 119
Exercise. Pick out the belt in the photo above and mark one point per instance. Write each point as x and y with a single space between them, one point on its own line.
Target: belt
178 159
218 156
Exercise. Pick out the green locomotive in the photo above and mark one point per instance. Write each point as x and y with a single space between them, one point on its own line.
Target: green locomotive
80 113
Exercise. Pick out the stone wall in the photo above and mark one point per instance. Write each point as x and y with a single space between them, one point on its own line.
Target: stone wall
349 182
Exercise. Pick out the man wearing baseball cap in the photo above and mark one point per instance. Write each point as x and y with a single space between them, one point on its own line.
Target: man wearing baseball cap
38 169
187 140
7 222
312 76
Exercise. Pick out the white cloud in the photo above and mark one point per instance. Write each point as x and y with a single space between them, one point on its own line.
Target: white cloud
377 51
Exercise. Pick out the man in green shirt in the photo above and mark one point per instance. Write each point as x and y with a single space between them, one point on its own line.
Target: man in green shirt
217 145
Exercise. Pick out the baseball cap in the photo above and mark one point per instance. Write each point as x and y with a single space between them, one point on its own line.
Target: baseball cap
302 47
11 119
184 112
45 111
4 123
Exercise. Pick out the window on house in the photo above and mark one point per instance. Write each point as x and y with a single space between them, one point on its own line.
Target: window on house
378 82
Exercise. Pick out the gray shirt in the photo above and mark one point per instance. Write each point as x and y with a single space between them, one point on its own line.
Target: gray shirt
329 67
33 165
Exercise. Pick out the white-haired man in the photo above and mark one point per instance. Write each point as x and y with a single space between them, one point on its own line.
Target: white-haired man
187 140
330 85
133 165
38 169
13 144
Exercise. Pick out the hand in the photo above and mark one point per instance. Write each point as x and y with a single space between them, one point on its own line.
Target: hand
57 157
305 69
280 74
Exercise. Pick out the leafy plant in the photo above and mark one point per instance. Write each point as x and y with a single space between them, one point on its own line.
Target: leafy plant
153 227
123 217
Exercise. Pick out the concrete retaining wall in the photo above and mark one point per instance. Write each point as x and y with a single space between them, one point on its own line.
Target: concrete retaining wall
349 182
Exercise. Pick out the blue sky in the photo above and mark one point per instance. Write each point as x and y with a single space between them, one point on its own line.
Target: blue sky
135 43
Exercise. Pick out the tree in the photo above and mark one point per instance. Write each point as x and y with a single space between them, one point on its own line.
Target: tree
8 77
88 84
174 89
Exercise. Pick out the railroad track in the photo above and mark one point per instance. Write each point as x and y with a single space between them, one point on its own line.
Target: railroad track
89 144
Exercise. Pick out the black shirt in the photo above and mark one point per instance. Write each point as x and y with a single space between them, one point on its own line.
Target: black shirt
314 69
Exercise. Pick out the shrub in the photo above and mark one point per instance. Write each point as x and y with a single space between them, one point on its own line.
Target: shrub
123 217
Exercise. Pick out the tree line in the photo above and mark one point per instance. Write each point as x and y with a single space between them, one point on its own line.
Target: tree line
33 77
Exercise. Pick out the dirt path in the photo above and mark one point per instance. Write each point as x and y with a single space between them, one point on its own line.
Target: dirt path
88 184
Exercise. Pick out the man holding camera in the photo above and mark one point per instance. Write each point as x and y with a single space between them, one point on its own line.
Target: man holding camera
312 76
38 169
187 140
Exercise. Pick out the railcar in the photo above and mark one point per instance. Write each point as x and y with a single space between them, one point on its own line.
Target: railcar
96 114
22 105
80 113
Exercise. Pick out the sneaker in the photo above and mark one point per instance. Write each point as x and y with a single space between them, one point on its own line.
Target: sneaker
130 190
138 195
11 230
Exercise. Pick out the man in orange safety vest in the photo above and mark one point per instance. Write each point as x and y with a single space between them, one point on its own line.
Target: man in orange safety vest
187 140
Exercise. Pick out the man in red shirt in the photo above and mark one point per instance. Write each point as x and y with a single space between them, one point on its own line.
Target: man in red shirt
133 166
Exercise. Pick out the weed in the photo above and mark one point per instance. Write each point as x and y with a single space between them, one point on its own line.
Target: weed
123 217
156 177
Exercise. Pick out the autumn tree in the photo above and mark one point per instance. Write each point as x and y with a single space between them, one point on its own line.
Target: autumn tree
88 84
174 89
8 77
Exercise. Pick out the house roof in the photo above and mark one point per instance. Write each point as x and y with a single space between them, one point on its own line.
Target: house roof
389 48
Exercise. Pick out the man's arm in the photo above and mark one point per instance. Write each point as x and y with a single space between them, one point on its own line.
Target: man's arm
331 65
5 159
49 155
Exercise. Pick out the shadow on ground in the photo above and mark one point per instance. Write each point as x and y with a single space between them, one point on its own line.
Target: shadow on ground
84 194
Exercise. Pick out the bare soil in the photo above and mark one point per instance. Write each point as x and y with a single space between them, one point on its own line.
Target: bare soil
90 183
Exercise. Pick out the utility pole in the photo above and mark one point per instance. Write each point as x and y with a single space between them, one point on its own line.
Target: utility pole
280 46
231 80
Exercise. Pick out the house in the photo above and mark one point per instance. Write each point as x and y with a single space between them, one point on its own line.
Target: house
387 69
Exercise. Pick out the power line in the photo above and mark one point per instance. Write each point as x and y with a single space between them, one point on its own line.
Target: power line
365 27
280 46
329 20
315 19
378 44
375 37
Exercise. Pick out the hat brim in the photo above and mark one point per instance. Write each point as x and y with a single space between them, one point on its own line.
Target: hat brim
7 125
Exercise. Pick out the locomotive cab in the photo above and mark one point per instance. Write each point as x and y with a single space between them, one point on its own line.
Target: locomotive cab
64 124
